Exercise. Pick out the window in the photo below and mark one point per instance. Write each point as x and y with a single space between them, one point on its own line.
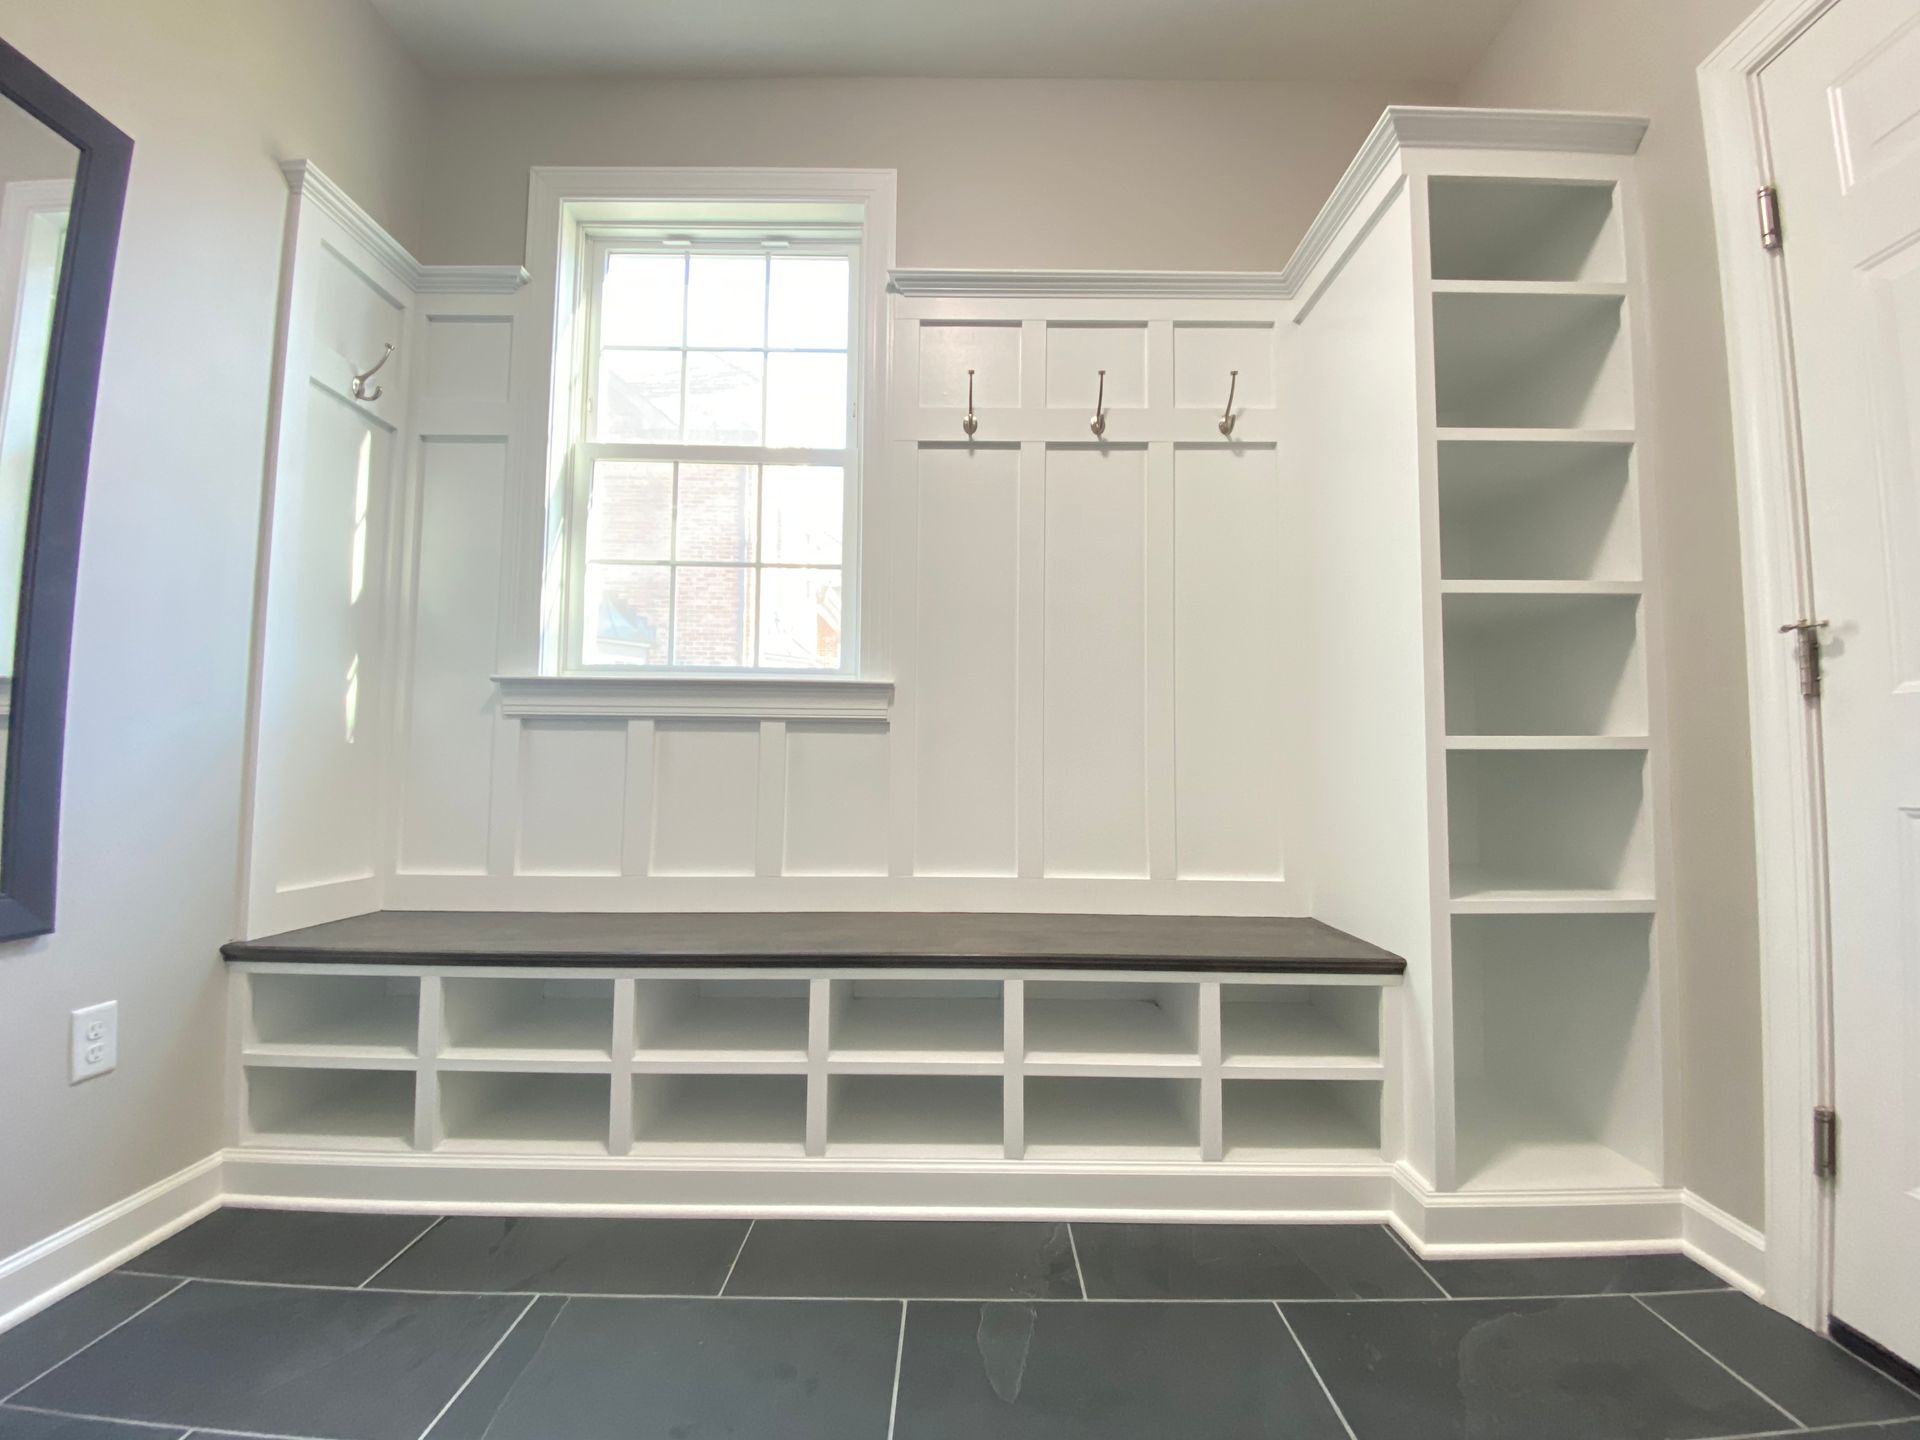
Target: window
714 468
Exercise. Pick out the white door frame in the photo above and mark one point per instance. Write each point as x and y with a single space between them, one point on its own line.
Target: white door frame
1789 804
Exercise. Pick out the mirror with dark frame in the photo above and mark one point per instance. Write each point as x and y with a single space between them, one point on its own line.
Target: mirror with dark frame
63 181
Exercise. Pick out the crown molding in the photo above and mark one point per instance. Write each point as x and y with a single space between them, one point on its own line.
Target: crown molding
471 279
1089 284
311 185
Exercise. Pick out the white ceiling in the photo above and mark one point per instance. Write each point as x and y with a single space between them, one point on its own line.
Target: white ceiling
1387 40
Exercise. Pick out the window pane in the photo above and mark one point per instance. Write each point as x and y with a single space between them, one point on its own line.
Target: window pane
807 401
727 300
643 300
803 512
807 306
630 511
723 398
626 615
713 616
716 513
800 619
639 396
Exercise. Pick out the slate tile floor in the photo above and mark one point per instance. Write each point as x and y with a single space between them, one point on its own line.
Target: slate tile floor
377 1327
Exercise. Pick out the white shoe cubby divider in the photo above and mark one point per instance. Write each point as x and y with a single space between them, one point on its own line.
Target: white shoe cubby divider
895 1065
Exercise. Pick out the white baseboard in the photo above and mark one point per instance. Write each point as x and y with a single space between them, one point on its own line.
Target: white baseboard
1731 1248
33 1278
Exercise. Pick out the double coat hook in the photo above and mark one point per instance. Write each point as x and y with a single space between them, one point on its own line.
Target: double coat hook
970 424
1226 420
1099 425
358 388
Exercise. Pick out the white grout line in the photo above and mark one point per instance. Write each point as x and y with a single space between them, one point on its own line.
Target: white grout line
1414 1255
1797 1421
1338 1413
493 1350
1075 1244
180 1432
1841 1425
721 1294
899 1354
401 1251
21 1389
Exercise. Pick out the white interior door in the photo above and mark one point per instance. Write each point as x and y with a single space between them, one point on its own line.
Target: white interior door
1843 107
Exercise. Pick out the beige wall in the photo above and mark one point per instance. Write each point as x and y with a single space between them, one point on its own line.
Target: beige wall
213 93
1000 173
1639 55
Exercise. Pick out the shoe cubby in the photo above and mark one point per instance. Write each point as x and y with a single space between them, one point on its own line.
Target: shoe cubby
719 1115
1290 1120
916 1023
330 1109
516 1112
1544 665
1534 362
373 1017
1556 1052
931 1116
533 1019
1563 827
1072 1117
1501 229
1089 1024
1538 510
1300 1029
721 1020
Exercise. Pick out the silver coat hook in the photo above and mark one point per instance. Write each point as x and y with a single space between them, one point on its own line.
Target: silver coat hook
1226 420
1100 407
970 424
358 389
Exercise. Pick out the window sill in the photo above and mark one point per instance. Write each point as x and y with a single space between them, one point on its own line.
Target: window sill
718 697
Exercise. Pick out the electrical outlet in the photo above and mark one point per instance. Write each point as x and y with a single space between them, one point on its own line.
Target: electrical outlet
96 1040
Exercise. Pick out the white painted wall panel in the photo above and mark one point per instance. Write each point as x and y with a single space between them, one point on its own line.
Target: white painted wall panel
949 349
1230 625
706 791
1205 355
836 801
1095 710
1077 353
572 794
468 358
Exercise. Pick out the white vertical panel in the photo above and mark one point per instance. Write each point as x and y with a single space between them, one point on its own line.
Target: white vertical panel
1162 770
573 784
468 358
1078 352
706 797
1095 709
836 803
967 660
770 813
1228 607
443 822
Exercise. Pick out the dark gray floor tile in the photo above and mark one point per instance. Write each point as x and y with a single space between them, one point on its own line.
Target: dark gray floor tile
354 1365
570 1256
1572 1275
283 1247
39 1343
907 1260
1899 1430
1807 1374
1522 1370
31 1425
687 1370
1105 1372
1247 1262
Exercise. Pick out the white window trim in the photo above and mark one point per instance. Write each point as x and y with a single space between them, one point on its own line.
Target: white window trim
562 201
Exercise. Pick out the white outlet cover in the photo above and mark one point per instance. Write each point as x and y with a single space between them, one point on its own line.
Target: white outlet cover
95 1040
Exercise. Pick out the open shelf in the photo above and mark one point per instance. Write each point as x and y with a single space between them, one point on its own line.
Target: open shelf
719 1115
1544 665
1538 510
567 1114
1531 361
917 1023
1100 1025
332 1109
1556 1052
1331 1030
1568 826
373 1017
678 1021
1524 229
930 1116
512 1018
1273 1121
1080 1118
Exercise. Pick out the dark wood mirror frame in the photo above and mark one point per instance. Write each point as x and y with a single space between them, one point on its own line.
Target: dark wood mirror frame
30 841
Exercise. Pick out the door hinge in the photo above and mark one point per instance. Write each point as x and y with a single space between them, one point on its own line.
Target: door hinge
1806 649
1770 237
1826 1142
